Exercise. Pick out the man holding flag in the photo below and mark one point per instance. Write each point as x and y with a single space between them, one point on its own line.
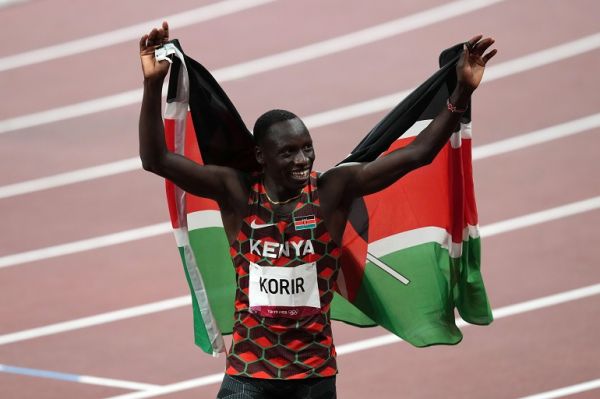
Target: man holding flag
285 225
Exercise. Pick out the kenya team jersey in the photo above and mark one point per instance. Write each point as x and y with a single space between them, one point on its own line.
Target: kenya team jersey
286 266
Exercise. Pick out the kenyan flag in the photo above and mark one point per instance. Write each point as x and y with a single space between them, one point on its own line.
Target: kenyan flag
411 252
415 250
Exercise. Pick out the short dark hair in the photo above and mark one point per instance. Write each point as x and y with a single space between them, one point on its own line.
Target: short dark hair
268 119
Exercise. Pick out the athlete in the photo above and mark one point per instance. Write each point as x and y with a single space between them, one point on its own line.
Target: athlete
285 228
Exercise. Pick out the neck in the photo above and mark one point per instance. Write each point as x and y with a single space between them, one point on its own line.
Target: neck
277 194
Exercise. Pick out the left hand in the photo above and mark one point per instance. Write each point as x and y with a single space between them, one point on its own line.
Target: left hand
470 67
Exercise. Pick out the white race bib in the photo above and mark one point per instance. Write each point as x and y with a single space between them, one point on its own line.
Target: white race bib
290 292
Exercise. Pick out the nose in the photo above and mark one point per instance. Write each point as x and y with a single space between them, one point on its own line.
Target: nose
300 159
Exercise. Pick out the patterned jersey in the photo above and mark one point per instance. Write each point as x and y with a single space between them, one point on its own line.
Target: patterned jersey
290 342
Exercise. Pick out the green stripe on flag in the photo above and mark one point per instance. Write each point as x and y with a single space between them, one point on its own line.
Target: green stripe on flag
200 334
422 312
212 256
472 302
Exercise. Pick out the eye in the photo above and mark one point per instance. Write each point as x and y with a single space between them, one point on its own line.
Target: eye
308 147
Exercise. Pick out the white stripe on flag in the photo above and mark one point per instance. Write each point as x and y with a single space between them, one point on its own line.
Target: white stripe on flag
386 268
423 235
204 219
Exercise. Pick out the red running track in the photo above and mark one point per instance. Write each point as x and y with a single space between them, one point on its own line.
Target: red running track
519 355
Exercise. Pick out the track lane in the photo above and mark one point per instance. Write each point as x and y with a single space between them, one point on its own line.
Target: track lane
417 43
22 387
501 361
91 282
534 179
503 291
81 20
101 75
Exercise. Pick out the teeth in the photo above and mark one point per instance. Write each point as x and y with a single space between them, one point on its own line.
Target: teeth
301 175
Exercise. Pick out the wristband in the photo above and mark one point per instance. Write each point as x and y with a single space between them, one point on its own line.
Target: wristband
452 108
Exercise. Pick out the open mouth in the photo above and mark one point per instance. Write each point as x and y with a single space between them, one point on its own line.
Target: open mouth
301 174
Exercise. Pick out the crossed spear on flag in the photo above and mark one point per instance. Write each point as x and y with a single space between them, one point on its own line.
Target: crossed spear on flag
387 268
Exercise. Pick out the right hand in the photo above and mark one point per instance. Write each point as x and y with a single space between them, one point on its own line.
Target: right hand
152 69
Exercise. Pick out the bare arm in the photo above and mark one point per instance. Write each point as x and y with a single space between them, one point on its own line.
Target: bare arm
215 182
359 179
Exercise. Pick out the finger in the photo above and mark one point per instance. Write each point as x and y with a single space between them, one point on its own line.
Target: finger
165 27
143 41
152 37
464 57
489 55
482 46
472 41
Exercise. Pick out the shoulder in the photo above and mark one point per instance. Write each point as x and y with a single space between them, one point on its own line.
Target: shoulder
340 174
335 185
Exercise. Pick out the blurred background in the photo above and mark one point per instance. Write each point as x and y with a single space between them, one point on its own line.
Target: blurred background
93 300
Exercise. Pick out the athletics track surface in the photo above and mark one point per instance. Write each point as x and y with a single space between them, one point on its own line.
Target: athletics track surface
63 331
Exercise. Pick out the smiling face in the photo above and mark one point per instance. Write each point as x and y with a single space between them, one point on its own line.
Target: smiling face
286 154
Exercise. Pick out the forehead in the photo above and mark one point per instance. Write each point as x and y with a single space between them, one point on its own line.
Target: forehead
285 133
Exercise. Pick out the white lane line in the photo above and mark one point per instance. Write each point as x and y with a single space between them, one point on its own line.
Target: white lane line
562 392
355 39
565 129
339 115
489 230
286 58
127 34
95 320
8 3
83 379
86 245
110 382
544 216
74 176
176 387
382 340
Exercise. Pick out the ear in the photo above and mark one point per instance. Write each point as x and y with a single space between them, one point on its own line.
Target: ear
258 153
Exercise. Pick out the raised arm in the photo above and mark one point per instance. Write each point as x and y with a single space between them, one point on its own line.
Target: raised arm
360 179
215 182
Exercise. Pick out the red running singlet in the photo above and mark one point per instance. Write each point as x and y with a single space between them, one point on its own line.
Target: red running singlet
286 267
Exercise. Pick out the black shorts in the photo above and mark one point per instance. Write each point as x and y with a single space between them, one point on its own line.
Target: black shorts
234 387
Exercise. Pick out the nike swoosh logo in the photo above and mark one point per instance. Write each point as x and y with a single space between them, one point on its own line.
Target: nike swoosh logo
255 225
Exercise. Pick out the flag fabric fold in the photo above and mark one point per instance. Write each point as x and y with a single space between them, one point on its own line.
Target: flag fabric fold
411 253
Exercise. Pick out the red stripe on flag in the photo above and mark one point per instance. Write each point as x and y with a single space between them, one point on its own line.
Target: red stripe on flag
192 151
457 206
471 216
440 194
169 186
419 199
